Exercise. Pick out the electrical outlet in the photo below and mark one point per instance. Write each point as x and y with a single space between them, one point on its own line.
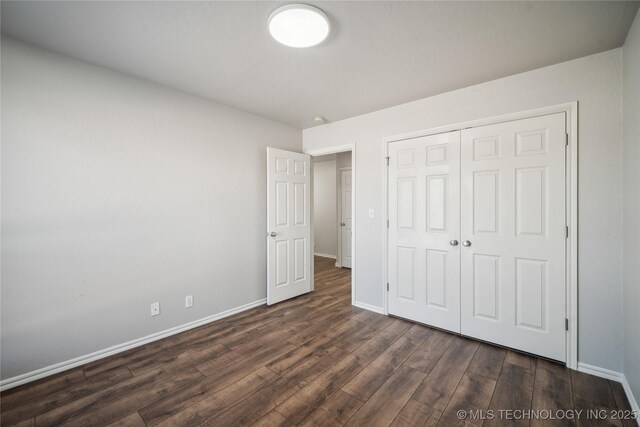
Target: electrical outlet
188 301
155 308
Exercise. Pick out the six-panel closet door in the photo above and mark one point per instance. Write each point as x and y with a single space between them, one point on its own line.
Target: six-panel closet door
424 223
513 220
477 233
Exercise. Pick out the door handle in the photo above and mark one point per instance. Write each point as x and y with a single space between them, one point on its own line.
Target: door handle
466 243
453 242
273 234
342 224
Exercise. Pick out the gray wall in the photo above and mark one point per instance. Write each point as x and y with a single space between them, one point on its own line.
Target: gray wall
596 82
325 229
117 193
631 108
343 160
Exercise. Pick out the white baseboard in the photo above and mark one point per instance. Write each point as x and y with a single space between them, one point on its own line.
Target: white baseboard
369 307
100 354
324 255
632 399
600 372
611 375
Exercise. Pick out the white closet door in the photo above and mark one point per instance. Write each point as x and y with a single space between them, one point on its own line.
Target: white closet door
424 195
288 222
513 218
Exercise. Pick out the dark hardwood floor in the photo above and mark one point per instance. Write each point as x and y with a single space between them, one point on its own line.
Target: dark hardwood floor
313 360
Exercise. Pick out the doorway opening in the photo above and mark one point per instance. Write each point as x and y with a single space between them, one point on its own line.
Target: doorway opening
333 218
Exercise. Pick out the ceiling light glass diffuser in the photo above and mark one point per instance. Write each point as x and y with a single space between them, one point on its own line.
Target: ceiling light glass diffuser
299 25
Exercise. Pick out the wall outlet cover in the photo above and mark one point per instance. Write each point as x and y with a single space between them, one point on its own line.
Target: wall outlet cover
155 308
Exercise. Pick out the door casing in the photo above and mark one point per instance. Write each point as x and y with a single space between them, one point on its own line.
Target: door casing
571 185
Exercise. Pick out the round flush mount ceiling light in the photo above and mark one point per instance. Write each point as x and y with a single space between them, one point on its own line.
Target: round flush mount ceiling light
299 25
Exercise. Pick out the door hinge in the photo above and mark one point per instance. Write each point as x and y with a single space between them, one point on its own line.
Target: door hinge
387 223
387 160
567 231
387 286
566 324
566 139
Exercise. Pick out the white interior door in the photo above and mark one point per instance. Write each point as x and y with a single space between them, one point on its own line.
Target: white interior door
288 225
513 233
345 218
424 224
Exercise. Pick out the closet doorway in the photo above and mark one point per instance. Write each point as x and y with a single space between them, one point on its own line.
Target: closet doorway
478 232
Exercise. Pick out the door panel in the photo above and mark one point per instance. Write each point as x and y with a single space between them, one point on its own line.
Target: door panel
513 215
406 203
436 265
300 203
531 290
282 262
288 222
406 273
486 287
424 194
436 203
486 199
346 221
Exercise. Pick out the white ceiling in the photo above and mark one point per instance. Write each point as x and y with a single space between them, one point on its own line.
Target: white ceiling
379 54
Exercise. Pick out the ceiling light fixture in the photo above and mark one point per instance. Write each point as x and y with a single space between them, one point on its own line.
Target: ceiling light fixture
299 25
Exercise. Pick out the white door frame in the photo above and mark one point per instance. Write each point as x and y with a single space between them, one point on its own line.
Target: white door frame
335 150
339 255
571 110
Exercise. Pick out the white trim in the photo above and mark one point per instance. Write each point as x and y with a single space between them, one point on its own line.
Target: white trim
324 255
572 242
613 376
630 397
385 228
571 111
100 354
561 108
600 372
312 271
332 150
373 308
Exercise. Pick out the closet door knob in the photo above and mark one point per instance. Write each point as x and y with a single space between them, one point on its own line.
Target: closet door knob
453 242
466 243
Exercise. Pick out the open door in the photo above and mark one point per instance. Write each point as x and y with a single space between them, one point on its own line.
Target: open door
288 225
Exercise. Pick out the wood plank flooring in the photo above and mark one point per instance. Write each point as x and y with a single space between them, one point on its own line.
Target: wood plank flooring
314 361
